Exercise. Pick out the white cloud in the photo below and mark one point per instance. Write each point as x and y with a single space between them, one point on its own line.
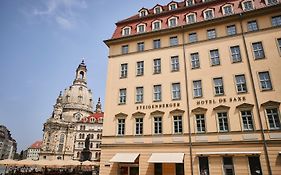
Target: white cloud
63 12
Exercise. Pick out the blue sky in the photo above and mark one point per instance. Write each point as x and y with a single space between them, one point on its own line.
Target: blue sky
41 44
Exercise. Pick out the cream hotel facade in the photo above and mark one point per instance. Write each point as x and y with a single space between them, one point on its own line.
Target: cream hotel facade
194 88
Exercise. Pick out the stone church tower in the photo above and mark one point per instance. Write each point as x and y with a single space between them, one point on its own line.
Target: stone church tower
74 104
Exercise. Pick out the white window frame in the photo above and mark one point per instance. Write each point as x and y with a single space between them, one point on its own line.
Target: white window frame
157 92
275 127
153 24
140 46
154 10
231 30
267 82
187 1
156 43
138 28
122 96
219 87
194 60
139 94
176 21
140 68
187 19
177 124
258 52
159 124
215 58
175 66
201 122
197 88
243 5
225 121
124 70
235 54
227 5
272 3
241 86
211 33
157 66
176 91
145 11
192 36
248 116
121 125
212 12
171 4
139 125
124 31
250 26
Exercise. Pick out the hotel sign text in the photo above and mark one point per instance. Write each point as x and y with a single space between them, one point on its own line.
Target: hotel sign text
221 100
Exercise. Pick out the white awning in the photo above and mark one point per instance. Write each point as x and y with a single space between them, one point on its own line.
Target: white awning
228 153
125 157
166 158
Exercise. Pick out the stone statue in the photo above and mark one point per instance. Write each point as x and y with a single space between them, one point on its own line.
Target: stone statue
87 142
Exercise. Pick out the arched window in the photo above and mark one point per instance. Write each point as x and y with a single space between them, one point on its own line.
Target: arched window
157 9
126 31
189 3
247 5
173 21
91 145
227 9
141 28
143 12
173 6
156 25
191 18
97 155
209 14
78 154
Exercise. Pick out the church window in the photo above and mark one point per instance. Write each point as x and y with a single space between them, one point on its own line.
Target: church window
81 75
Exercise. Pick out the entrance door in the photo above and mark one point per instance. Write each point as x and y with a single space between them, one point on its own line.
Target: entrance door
255 165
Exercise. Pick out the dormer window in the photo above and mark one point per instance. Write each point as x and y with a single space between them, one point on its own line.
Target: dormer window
173 6
227 9
208 14
190 18
126 31
140 28
173 22
156 25
247 5
271 2
157 9
189 3
143 12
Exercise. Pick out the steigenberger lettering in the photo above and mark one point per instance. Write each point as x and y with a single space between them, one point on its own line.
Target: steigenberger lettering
221 100
158 106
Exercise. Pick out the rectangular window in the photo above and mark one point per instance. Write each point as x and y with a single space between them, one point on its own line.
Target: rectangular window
223 123
240 83
197 88
124 70
189 2
247 120
192 37
176 91
139 94
177 124
156 25
273 118
215 57
203 165
140 68
175 63
156 44
121 127
173 22
211 34
139 126
276 21
235 54
174 41
258 50
231 30
228 166
209 14
248 5
195 63
227 10
218 85
200 123
255 165
265 81
157 125
191 18
279 44
157 93
253 26
122 96
140 46
125 49
157 66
